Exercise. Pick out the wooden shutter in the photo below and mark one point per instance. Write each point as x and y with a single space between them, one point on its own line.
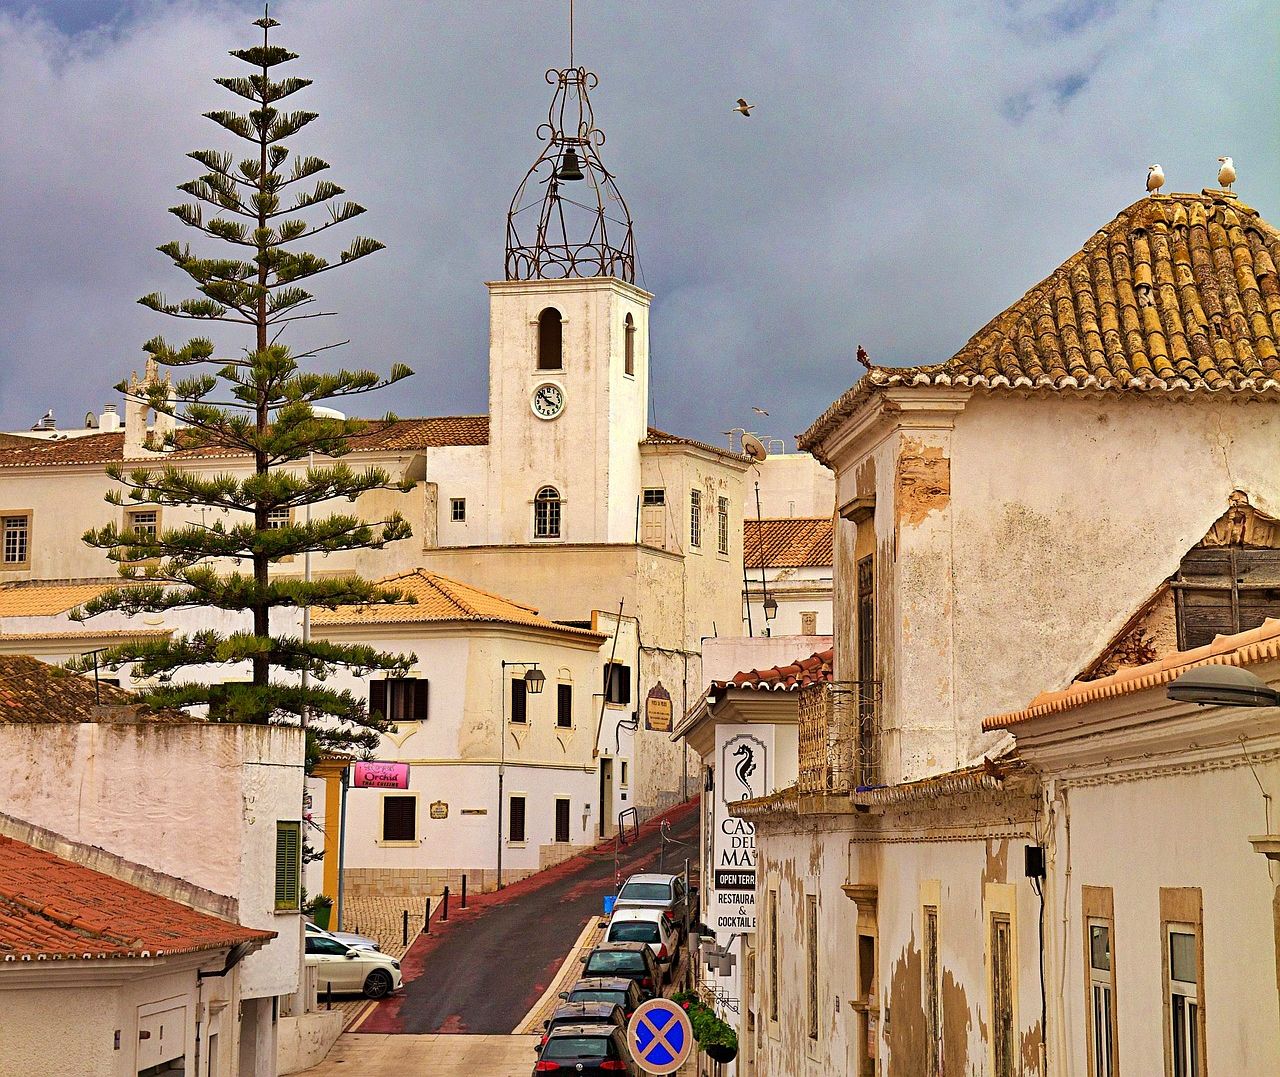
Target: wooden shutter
378 697
420 694
562 820
517 819
617 683
564 706
519 711
399 818
288 865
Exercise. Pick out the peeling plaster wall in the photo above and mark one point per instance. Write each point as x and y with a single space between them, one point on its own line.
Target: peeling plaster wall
817 853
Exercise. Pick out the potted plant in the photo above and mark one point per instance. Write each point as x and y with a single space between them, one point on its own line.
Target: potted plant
321 908
716 1037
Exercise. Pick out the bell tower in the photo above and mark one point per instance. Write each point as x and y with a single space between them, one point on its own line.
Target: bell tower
568 343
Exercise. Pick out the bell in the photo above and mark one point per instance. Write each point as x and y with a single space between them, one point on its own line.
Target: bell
569 168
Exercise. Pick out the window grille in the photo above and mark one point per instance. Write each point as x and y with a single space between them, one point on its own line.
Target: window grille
695 517
722 524
278 518
144 521
546 513
399 818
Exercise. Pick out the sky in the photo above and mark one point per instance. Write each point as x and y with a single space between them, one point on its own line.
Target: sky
910 171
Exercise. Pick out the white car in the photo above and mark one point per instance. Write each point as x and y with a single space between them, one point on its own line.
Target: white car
649 926
356 942
345 970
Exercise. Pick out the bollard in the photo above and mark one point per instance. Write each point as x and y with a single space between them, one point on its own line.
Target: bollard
464 891
404 931
426 919
444 911
328 994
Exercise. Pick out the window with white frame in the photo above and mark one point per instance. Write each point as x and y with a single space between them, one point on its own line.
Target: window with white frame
722 524
1182 961
17 535
144 521
546 513
281 516
1101 999
695 517
458 510
562 819
654 496
399 818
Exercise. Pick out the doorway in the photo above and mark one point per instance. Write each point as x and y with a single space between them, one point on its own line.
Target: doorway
606 797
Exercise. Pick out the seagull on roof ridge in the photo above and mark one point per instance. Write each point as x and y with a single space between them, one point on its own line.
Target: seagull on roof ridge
863 357
1155 178
1226 173
743 107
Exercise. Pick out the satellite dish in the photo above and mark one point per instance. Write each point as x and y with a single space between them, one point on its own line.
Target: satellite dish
753 447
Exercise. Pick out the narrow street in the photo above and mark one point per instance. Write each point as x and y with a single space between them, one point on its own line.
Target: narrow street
481 972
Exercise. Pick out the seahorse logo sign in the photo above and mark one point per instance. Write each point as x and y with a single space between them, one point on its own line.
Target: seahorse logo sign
745 767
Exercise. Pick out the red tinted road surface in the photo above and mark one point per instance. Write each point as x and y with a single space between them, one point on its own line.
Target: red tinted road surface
482 971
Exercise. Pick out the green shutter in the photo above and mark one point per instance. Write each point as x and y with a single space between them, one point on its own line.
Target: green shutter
288 865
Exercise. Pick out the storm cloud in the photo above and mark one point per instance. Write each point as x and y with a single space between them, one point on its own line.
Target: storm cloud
910 170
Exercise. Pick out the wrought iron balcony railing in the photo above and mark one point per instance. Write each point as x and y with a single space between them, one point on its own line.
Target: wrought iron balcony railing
839 737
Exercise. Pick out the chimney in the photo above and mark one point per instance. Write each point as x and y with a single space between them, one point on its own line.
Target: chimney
110 418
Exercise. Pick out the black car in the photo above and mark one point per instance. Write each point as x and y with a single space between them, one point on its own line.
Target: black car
583 1013
631 959
619 989
595 1049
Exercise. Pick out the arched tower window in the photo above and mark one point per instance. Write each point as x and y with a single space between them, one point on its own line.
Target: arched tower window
550 350
546 513
629 364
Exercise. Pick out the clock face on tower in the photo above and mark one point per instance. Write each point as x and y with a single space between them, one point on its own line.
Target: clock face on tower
548 400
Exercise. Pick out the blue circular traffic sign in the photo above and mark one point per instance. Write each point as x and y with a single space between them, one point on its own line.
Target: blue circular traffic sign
660 1036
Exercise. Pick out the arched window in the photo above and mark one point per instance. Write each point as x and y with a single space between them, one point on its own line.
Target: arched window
630 345
546 513
550 349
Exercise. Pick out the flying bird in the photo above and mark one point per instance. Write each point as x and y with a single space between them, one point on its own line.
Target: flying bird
743 107
863 357
1155 178
758 411
1226 172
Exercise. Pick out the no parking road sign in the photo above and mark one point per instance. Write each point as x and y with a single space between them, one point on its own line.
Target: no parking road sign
660 1036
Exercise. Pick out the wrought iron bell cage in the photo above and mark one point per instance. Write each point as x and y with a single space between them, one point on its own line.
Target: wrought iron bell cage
568 218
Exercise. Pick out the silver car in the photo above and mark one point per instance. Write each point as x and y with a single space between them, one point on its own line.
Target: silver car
654 891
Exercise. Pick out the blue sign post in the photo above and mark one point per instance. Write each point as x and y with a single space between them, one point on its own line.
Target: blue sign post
660 1036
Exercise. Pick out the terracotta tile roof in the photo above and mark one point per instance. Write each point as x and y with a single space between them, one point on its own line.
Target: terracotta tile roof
1242 649
32 691
16 441
661 437
802 542
52 909
47 598
444 600
816 669
403 434
1178 293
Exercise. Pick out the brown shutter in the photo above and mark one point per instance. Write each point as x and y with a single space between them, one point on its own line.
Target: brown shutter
564 705
518 709
420 693
399 818
562 820
378 697
517 819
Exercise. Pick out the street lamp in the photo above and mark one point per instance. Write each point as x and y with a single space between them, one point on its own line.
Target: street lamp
534 679
1222 686
770 607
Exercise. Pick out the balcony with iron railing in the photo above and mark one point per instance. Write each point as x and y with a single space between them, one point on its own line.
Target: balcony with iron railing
839 738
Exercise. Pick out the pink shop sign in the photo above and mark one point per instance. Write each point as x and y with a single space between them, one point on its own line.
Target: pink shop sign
382 776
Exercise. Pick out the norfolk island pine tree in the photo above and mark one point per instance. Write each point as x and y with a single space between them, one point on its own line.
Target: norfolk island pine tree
263 409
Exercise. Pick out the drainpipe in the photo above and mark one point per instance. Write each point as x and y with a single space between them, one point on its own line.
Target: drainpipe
342 845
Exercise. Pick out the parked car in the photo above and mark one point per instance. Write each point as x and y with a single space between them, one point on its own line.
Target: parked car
619 989
350 970
666 892
595 1050
356 942
631 959
583 1013
649 926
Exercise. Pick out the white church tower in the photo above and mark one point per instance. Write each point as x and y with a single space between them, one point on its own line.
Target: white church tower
568 346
